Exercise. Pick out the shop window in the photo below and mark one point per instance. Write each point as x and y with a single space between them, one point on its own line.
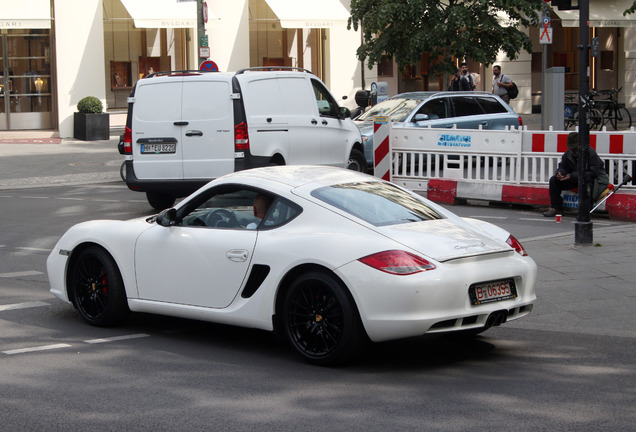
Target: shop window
120 74
607 60
385 67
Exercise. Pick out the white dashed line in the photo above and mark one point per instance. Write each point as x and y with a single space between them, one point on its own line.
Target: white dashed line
22 305
117 338
70 199
20 274
34 349
34 249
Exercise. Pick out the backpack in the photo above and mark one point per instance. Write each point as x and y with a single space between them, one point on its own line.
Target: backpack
513 91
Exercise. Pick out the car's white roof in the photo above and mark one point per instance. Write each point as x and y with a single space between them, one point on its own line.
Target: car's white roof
299 175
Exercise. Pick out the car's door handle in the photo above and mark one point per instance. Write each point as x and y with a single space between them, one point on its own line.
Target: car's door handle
181 123
237 255
325 122
314 121
193 133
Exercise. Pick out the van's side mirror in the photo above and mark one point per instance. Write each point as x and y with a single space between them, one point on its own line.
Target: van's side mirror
167 218
344 113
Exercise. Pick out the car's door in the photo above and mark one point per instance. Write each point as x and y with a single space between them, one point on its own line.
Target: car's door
336 141
436 112
156 134
203 260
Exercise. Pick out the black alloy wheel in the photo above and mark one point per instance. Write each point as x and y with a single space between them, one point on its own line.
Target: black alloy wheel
159 201
357 162
97 290
320 320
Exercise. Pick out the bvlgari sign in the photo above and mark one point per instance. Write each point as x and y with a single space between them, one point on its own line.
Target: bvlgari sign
25 23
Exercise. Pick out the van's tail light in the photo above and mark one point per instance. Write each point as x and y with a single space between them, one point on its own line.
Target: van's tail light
520 121
514 243
128 141
397 262
241 138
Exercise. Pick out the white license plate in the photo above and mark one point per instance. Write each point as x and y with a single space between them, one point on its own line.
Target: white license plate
159 148
489 292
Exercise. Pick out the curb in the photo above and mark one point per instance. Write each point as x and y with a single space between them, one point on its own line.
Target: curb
620 206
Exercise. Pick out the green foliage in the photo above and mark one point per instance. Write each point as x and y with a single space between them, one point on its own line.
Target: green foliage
446 29
631 10
90 105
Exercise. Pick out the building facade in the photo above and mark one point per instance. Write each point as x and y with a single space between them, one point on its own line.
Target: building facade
55 52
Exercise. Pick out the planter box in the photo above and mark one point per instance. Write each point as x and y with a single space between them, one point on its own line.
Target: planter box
91 127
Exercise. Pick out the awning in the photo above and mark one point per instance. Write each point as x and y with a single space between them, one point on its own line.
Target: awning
26 14
309 13
163 13
602 14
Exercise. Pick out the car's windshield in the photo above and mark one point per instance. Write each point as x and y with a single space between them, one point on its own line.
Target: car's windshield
376 203
398 109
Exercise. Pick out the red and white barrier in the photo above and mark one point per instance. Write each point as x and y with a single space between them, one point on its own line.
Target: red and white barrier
381 148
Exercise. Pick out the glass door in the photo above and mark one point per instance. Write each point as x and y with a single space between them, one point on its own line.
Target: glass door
25 79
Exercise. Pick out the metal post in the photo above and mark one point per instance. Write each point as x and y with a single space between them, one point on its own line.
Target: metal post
544 59
583 225
200 32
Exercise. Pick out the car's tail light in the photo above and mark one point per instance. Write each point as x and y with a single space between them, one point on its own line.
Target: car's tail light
514 243
128 141
520 121
397 262
241 138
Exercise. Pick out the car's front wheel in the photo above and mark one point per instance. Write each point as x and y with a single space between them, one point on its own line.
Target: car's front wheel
320 319
97 289
356 161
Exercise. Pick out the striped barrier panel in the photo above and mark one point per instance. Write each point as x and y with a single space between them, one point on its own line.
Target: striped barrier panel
381 148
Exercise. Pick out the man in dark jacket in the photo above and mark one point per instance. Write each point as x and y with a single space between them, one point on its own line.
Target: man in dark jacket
567 177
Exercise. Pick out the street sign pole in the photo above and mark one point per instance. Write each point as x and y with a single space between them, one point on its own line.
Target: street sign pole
583 224
200 32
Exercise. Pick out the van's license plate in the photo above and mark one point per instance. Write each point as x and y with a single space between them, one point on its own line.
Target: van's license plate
492 291
159 148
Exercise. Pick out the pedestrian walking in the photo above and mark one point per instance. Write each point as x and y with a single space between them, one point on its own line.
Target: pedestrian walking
501 83
466 79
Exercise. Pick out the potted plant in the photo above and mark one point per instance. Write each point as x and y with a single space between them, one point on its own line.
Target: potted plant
90 123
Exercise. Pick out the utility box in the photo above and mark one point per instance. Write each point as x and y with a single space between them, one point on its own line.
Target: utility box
554 98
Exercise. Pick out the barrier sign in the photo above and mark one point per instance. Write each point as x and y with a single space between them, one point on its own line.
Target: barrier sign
381 148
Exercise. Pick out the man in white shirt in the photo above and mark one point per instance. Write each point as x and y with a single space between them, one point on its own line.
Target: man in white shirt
501 83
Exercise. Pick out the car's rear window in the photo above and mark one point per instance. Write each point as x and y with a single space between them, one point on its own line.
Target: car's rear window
466 106
376 203
398 109
491 105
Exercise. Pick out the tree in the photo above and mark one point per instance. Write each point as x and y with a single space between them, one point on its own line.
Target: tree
445 29
631 10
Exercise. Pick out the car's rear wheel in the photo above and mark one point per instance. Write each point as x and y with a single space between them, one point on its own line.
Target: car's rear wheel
320 319
159 201
356 161
97 289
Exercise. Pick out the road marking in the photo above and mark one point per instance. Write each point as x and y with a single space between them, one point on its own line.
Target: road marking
34 349
22 305
70 199
33 249
20 274
488 217
35 197
105 200
117 338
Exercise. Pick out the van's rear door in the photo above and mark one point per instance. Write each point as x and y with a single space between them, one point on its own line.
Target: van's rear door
208 136
156 135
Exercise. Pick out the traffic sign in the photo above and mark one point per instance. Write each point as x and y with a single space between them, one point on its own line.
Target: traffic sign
209 66
205 12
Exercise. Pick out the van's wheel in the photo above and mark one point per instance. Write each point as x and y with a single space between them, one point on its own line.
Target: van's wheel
97 289
160 201
356 161
320 320
122 171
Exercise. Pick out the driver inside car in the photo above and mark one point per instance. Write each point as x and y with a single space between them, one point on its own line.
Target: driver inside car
261 204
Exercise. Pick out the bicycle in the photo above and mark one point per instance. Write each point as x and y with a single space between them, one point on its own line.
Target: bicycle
571 114
614 114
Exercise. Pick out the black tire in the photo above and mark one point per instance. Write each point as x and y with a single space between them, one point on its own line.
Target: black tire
97 289
320 320
159 201
623 119
357 162
122 171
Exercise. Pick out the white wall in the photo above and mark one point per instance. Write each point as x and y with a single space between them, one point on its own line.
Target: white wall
79 45
228 37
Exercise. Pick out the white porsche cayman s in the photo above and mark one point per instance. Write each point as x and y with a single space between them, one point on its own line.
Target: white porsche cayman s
327 257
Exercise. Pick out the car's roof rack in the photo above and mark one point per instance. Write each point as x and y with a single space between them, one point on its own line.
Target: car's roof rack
178 72
273 68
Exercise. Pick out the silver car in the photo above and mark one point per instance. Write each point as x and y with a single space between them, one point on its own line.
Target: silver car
467 110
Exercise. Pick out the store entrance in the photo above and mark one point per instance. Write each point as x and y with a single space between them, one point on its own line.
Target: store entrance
25 79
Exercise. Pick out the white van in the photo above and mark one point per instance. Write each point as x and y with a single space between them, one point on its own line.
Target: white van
186 128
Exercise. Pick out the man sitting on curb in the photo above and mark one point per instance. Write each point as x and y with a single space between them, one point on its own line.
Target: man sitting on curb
567 177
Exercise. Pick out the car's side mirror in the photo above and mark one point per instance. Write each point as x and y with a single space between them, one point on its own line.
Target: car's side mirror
167 218
420 117
344 113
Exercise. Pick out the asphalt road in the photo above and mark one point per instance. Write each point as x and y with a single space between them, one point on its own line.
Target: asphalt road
59 374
